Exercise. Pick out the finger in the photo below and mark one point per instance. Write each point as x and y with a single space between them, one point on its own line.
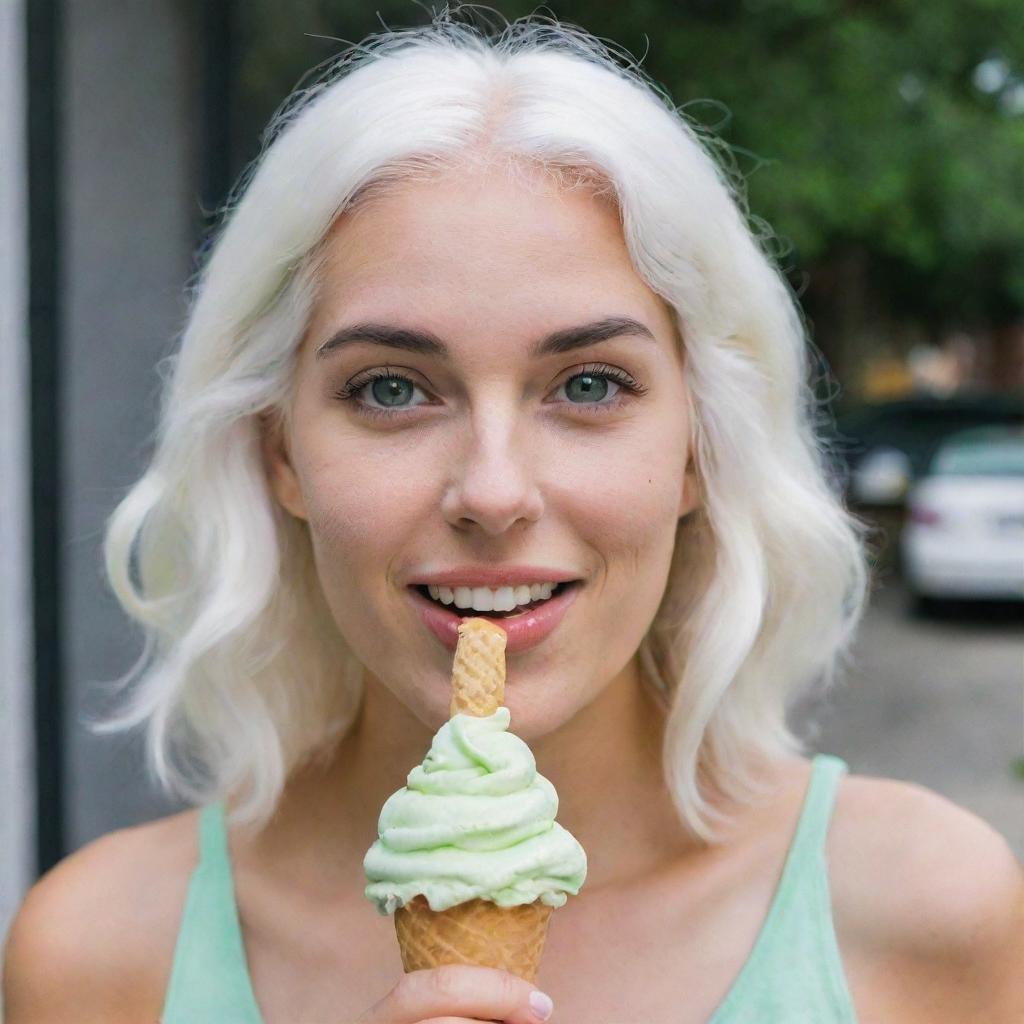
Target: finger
457 1020
461 990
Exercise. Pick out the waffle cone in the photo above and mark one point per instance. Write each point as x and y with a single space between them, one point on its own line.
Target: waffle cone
478 671
476 932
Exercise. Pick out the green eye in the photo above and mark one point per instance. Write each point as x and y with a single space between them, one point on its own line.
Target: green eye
389 388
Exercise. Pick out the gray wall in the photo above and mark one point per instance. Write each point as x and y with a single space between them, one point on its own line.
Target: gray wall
17 779
131 212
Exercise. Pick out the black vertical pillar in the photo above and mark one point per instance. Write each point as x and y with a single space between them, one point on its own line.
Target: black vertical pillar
217 24
43 37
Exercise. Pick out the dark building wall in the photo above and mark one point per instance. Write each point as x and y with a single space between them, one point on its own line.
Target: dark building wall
130 221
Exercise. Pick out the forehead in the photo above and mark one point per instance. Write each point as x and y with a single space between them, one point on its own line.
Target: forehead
477 236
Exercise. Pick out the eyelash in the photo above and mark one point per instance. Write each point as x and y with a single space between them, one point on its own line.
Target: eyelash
357 384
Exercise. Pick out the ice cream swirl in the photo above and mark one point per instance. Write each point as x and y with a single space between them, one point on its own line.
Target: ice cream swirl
475 820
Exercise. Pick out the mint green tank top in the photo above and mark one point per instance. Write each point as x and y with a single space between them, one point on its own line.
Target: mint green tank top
793 975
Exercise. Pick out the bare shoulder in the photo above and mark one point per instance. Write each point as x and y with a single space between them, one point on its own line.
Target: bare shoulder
913 866
925 889
94 937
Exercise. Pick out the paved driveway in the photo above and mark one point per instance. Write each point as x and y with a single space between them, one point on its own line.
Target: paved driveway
938 701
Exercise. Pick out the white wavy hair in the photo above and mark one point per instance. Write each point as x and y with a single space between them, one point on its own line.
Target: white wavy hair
244 676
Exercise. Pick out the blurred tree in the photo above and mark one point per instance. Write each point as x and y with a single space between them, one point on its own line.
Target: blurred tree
883 141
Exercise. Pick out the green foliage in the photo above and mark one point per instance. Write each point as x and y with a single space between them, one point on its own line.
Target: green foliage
858 124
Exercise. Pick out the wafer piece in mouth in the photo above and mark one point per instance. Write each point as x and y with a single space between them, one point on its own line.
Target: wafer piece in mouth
478 671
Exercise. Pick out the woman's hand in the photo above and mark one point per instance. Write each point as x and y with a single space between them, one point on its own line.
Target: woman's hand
459 994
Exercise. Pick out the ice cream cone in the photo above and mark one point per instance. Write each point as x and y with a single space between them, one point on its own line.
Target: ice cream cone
477 931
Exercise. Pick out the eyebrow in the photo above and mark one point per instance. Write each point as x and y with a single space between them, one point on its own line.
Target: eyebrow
427 344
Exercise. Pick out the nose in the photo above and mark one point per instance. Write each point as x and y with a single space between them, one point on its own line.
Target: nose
493 483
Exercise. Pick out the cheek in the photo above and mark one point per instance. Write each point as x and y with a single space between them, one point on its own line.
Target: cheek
632 513
361 498
627 492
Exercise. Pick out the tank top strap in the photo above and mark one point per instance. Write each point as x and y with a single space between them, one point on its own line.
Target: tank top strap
214 855
794 972
808 844
210 977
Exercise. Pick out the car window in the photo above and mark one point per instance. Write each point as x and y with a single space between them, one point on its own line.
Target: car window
918 428
996 459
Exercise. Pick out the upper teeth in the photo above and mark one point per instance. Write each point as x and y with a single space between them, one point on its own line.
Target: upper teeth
484 599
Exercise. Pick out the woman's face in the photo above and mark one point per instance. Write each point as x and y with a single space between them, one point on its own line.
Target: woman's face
492 455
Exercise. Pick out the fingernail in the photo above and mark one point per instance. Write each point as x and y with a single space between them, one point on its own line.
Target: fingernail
541 1004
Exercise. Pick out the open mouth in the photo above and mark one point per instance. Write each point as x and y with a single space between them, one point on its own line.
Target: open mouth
518 610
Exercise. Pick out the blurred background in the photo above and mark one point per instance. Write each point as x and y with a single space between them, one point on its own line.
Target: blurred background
882 141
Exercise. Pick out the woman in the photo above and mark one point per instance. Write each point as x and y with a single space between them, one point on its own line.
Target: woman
487 314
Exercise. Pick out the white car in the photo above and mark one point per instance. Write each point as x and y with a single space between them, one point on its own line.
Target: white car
964 531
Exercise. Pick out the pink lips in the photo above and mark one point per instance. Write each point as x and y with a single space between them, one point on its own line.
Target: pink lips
524 631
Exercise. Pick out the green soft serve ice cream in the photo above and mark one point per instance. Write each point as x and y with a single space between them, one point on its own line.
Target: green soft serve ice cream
475 820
